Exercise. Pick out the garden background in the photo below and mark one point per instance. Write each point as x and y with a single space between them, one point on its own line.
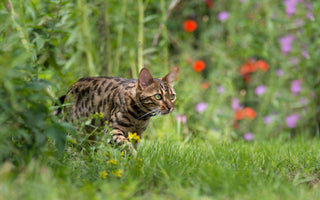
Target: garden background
246 120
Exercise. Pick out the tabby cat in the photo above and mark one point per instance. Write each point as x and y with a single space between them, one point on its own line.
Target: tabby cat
126 104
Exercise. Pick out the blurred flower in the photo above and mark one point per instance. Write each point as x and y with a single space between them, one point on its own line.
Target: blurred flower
262 65
245 113
248 67
181 118
235 104
285 43
249 112
113 162
133 137
117 173
279 72
260 90
303 101
295 87
268 119
290 6
190 25
205 85
199 65
248 136
294 60
189 60
223 16
251 66
305 53
242 1
209 3
103 174
220 89
291 120
298 22
202 106
309 11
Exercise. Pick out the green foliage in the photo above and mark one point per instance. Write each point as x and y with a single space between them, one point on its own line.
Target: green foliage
47 45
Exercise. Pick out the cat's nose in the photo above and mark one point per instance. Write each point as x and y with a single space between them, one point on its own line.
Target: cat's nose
170 108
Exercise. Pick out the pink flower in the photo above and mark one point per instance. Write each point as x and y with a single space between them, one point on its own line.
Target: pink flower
248 136
268 119
200 107
290 6
279 72
260 90
295 87
223 16
182 119
220 89
285 43
235 104
291 120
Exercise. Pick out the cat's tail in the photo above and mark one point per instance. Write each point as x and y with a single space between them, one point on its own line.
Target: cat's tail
59 109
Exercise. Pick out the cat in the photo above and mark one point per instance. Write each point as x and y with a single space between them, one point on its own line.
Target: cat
126 104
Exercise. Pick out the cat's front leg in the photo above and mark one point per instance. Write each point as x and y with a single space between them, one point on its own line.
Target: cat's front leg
119 138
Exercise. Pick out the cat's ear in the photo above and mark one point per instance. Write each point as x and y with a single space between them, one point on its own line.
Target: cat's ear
172 76
145 79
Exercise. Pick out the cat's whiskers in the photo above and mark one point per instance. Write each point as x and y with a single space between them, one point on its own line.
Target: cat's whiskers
152 111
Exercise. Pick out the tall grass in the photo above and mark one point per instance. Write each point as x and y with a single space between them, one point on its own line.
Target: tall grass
171 170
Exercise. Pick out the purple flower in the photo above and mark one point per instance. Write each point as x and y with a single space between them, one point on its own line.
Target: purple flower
220 89
242 1
309 11
294 60
303 101
223 16
305 53
181 118
202 106
268 119
291 120
295 87
279 72
285 43
260 90
235 104
248 136
290 6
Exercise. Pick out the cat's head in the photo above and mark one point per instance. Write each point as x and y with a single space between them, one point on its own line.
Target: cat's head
157 95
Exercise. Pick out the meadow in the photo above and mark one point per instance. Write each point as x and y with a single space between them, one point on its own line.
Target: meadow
246 120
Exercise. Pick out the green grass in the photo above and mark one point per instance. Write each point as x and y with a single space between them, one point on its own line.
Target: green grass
174 170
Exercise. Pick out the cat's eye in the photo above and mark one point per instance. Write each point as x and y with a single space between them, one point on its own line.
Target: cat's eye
172 96
158 96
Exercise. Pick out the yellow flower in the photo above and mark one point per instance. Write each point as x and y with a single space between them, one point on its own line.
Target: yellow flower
113 162
103 174
117 173
122 153
133 137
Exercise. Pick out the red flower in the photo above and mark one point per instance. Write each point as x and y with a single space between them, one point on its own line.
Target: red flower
209 3
199 65
262 65
252 66
247 112
205 85
190 25
247 68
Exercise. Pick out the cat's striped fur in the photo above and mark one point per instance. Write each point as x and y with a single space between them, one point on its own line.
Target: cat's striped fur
126 104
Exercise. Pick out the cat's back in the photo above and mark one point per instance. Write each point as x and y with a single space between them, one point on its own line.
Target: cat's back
100 85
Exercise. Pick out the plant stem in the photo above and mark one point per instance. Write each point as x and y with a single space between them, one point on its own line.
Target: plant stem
140 35
120 38
23 36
